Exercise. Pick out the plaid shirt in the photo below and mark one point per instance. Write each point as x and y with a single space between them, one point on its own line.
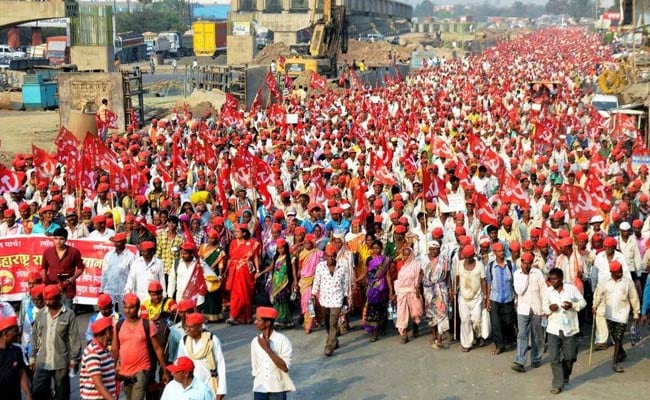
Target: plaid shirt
168 250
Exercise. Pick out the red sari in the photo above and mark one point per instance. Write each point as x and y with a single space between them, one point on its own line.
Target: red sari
240 282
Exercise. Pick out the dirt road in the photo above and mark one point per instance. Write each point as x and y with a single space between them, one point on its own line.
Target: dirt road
22 128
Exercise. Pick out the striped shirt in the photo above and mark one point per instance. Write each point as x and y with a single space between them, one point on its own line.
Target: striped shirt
96 360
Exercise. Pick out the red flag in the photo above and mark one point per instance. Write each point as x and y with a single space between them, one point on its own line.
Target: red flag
196 286
382 174
118 179
99 154
45 164
288 83
484 210
433 186
281 61
99 124
277 114
580 202
476 144
9 180
492 162
361 206
552 237
67 147
318 190
622 123
439 147
257 102
111 119
354 81
510 189
317 82
272 84
462 173
597 190
134 123
231 101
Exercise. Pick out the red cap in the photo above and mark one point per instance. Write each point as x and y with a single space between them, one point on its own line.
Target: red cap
437 233
507 221
120 236
181 364
514 245
147 245
104 300
130 299
37 290
497 246
101 324
34 275
527 244
330 250
155 286
267 312
9 213
281 242
615 266
8 322
400 229
610 242
185 305
51 291
188 246
542 242
527 257
194 319
565 242
468 251
637 223
98 219
546 208
460 230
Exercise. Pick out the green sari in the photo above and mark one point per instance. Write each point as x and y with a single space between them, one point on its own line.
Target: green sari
280 290
212 306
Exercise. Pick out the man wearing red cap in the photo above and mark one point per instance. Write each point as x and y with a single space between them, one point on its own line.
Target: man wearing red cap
54 352
116 267
177 331
106 310
185 385
472 298
144 270
100 231
9 227
179 277
62 265
97 373
137 351
619 296
204 349
13 371
270 358
600 273
529 284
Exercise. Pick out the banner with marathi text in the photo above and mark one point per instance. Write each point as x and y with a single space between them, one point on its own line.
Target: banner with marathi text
20 253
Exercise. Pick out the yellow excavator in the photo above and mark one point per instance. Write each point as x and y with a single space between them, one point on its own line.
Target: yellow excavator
328 35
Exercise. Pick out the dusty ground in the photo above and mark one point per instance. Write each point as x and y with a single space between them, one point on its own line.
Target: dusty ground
22 128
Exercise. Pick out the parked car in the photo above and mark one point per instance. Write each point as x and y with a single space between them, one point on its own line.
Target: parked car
11 53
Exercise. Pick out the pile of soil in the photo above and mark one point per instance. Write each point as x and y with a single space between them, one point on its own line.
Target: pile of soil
271 52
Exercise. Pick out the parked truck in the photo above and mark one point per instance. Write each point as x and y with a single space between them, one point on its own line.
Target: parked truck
156 44
209 38
130 47
58 50
177 45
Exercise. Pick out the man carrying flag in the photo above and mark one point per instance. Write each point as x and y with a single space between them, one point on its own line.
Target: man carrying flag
187 280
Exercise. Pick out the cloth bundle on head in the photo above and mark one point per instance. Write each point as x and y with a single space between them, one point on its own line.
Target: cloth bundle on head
267 312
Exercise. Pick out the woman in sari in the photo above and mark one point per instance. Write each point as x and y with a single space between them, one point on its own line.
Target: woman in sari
282 279
361 270
321 237
244 254
407 294
380 288
214 256
308 259
435 282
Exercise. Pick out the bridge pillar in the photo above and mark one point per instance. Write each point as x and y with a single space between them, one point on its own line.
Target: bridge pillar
13 37
37 36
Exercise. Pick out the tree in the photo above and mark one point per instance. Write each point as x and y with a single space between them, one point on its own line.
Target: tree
423 10
166 15
519 9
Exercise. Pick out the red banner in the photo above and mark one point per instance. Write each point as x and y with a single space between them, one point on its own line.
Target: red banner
20 253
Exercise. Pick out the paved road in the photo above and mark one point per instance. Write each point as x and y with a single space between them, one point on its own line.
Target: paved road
388 370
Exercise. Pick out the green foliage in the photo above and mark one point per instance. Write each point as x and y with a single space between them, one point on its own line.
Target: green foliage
574 8
424 9
167 15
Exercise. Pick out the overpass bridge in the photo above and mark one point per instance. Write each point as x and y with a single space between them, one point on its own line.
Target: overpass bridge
286 17
21 12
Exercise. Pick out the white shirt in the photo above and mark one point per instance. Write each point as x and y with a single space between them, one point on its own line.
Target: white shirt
97 235
197 390
618 297
630 251
530 290
142 273
267 378
330 288
201 369
180 276
563 320
601 264
15 230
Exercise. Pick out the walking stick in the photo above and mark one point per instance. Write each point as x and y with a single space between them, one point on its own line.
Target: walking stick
455 311
591 344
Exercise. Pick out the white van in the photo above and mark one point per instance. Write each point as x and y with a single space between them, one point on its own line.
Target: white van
604 103
375 37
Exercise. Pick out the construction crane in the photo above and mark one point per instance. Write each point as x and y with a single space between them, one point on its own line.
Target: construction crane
329 34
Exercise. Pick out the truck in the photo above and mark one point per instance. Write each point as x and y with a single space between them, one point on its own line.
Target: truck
130 47
156 44
58 50
329 35
263 38
209 38
177 46
187 43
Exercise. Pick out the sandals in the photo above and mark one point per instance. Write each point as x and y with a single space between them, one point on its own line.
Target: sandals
231 321
405 339
464 349
617 368
556 391
439 345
